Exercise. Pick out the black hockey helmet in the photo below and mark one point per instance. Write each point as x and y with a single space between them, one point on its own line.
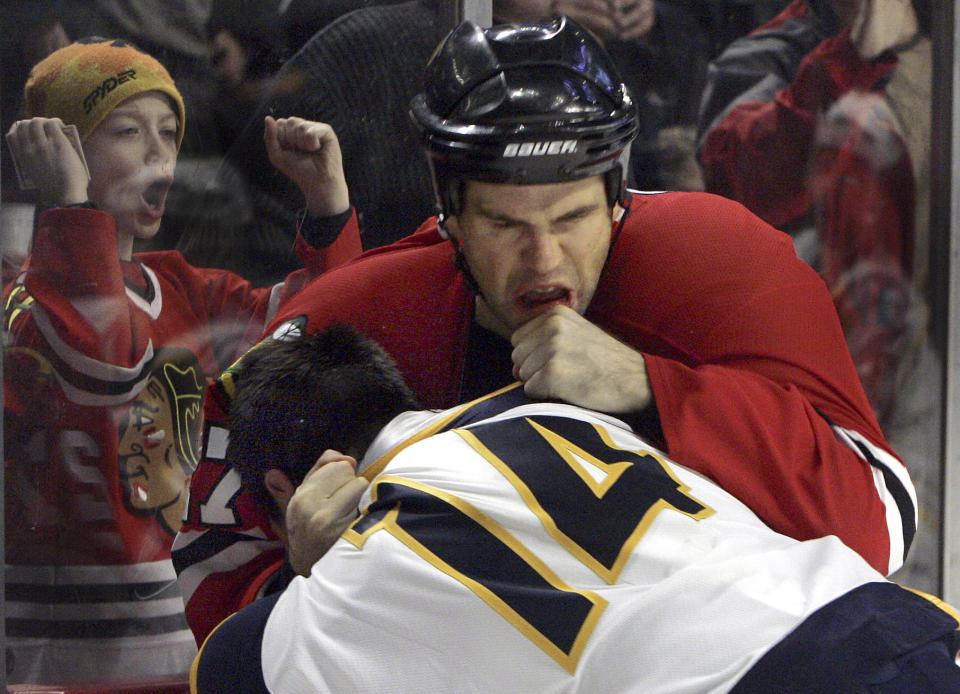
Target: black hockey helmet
523 103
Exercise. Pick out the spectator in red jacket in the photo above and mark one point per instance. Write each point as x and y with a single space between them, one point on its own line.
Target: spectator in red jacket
107 356
819 122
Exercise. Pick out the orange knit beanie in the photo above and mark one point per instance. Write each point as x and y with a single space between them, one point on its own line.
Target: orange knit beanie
83 82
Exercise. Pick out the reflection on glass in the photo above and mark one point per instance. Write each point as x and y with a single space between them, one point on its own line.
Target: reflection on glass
97 455
821 125
158 439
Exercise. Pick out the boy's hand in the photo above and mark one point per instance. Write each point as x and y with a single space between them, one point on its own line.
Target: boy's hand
882 25
308 153
323 506
46 156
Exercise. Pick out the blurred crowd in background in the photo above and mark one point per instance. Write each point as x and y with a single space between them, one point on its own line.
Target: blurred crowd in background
814 114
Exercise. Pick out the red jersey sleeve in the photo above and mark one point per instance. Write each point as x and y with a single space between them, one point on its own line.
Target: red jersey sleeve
752 376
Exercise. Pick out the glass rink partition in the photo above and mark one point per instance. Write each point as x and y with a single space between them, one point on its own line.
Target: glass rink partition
97 462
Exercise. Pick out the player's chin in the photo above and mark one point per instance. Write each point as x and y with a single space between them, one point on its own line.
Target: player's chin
518 318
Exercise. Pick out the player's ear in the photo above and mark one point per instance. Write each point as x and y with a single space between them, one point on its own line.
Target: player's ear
280 488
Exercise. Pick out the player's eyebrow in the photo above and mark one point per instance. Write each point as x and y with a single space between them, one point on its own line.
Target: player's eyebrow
578 212
497 215
505 218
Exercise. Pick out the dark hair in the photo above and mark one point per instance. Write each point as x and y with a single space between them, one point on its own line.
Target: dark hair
257 27
293 400
924 12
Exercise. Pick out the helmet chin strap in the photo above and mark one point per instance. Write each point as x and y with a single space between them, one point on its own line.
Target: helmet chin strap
442 225
461 262
459 259
625 199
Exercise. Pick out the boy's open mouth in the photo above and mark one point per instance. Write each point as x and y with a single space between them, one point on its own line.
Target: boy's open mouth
156 194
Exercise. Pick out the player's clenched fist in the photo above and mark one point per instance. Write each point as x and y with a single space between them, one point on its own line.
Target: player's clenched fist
321 508
882 25
560 354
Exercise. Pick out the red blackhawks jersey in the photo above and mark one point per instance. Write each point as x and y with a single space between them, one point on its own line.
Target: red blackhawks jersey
747 363
105 371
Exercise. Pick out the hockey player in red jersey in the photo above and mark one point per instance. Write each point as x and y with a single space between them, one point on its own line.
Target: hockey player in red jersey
520 545
682 313
108 357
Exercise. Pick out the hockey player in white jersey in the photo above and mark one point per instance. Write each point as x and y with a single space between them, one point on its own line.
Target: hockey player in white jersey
511 545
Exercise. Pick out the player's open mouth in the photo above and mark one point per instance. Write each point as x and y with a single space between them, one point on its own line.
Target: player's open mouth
544 297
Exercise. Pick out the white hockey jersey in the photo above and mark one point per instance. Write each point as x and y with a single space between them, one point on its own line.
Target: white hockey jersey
539 547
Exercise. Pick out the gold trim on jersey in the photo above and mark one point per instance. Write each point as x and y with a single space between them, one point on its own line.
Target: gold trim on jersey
376 467
18 301
577 458
389 523
938 602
